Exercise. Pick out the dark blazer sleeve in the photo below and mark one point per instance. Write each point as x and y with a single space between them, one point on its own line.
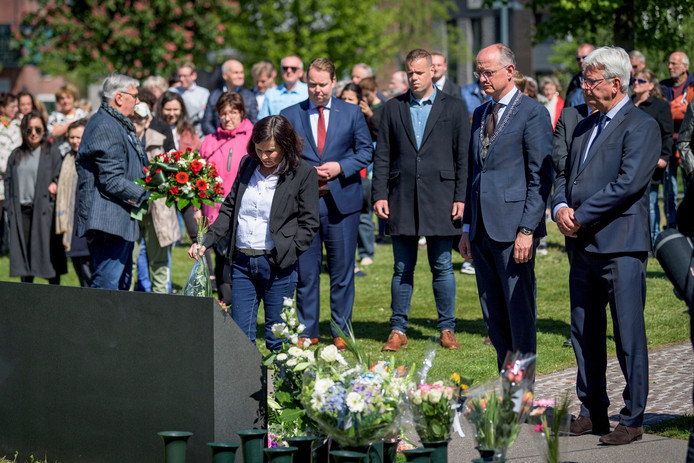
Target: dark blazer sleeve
308 217
362 146
461 151
562 139
381 167
210 121
537 141
685 137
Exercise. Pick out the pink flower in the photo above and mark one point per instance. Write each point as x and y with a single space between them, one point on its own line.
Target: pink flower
540 428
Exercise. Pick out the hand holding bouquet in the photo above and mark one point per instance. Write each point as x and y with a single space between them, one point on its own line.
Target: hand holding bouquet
183 178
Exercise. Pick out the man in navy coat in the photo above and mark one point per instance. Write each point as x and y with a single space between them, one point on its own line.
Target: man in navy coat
601 204
338 143
110 158
507 188
420 170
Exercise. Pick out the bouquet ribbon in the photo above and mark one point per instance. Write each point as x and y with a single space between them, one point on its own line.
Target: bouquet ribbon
160 177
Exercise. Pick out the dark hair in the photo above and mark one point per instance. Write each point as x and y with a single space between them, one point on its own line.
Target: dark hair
368 84
77 124
6 98
279 129
352 87
171 96
147 97
24 149
232 99
417 54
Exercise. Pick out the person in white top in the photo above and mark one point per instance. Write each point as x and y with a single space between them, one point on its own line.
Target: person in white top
194 96
270 217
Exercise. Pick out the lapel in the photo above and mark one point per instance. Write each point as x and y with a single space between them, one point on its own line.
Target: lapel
134 142
404 103
434 114
333 124
606 132
281 193
507 118
243 183
306 123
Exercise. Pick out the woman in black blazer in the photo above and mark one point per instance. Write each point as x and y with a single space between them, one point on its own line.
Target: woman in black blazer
648 97
269 217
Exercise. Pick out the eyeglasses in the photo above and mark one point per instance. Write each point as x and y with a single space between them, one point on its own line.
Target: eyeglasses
486 74
640 81
134 95
290 68
229 114
581 58
36 130
591 83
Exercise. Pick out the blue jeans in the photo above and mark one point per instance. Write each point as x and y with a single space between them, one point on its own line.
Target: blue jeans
112 260
443 279
255 279
654 210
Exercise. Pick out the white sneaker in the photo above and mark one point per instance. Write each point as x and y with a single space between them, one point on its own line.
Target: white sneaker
366 261
468 268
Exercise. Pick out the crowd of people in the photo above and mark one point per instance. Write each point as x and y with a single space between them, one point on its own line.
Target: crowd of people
305 164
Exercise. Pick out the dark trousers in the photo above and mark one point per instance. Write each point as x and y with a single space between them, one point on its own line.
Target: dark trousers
339 234
690 447
83 269
507 295
620 281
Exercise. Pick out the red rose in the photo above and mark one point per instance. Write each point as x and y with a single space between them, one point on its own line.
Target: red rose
146 170
196 166
181 177
174 190
147 179
202 194
201 184
177 156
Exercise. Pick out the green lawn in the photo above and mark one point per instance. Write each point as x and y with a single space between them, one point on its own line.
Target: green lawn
666 317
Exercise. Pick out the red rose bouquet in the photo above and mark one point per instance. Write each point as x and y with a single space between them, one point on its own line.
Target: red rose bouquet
183 178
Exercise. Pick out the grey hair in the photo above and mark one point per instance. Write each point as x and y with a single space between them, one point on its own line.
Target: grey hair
506 55
366 68
635 54
301 63
613 62
550 79
117 83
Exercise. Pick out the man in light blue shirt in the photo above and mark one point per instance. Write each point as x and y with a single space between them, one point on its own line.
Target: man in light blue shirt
290 92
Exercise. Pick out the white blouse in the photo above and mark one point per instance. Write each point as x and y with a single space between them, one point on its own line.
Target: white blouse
253 231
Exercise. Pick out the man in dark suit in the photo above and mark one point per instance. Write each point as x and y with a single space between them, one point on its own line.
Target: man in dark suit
337 142
110 158
234 78
419 186
601 204
507 188
440 79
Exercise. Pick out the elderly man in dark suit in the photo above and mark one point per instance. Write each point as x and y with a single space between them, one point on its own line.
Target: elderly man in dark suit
419 187
337 143
507 188
601 204
110 158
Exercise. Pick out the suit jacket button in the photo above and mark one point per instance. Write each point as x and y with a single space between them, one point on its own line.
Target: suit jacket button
575 182
484 171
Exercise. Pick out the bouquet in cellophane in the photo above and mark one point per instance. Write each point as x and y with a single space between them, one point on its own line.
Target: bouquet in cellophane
183 178
551 420
198 282
355 406
496 409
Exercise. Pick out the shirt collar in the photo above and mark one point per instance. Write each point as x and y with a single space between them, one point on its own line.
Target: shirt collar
613 112
423 101
313 107
506 99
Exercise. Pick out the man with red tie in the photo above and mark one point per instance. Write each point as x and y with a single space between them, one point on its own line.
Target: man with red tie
338 143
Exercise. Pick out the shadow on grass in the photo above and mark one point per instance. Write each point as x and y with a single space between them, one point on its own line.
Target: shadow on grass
657 274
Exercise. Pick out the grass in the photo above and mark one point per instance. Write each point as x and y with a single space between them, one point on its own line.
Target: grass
676 428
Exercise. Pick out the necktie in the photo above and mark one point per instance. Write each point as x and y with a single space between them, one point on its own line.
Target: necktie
492 120
320 143
602 120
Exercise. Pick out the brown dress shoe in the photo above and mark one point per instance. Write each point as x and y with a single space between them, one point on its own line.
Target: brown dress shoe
340 344
584 425
396 340
448 340
302 341
623 435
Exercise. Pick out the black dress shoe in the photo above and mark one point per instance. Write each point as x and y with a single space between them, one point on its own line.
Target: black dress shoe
568 343
584 425
623 435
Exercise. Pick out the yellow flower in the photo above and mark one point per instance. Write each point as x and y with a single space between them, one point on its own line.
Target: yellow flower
455 377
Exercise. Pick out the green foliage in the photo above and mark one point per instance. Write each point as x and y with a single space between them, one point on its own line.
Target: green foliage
676 428
133 37
640 23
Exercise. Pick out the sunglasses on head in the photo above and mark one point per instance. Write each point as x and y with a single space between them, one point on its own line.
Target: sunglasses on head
290 68
36 130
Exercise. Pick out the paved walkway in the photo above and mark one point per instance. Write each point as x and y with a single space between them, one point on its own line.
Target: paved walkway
670 395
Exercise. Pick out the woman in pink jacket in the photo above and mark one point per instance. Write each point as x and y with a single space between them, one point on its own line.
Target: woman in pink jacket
225 148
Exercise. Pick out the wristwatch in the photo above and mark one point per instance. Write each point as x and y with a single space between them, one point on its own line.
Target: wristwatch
526 230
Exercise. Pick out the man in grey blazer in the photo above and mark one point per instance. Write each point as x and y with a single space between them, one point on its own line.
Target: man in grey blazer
601 204
507 188
419 187
109 160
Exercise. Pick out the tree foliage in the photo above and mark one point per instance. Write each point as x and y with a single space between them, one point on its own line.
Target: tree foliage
642 24
133 37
